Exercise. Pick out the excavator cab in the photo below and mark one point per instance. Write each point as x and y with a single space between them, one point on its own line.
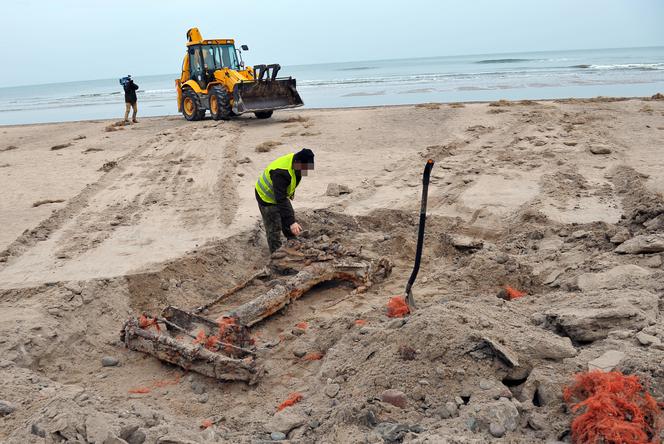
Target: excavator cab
214 78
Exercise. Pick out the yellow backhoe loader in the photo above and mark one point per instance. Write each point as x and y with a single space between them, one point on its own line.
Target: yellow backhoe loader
214 78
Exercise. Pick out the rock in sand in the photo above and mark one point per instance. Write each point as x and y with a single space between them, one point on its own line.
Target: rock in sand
109 361
6 408
336 190
645 243
600 149
395 397
607 362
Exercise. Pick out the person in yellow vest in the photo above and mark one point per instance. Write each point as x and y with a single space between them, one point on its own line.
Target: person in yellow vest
275 188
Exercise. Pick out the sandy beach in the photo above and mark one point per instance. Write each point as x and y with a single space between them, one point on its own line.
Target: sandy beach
101 222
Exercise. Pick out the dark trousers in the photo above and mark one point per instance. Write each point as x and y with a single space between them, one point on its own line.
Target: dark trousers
273 228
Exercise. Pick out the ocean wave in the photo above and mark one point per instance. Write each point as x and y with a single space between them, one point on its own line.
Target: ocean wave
158 91
359 68
489 61
624 67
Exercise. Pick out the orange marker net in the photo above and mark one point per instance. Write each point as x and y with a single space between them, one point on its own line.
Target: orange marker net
140 390
207 423
302 325
145 322
360 322
292 399
313 356
397 307
157 384
513 293
612 408
229 334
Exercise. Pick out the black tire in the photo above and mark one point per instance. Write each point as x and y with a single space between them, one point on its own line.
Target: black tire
220 103
263 114
191 105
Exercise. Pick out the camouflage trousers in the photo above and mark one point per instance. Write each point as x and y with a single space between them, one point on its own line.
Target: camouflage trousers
273 228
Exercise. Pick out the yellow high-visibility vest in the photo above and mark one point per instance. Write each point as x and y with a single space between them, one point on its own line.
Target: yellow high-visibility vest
264 186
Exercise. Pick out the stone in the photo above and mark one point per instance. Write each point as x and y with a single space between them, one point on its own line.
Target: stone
391 432
485 384
332 390
496 430
543 387
503 413
336 190
285 421
621 236
580 234
244 160
396 323
645 243
299 353
592 317
203 398
537 421
38 430
607 362
549 346
198 387
277 436
452 408
74 287
395 397
97 429
6 408
500 351
600 149
109 361
646 339
465 243
114 440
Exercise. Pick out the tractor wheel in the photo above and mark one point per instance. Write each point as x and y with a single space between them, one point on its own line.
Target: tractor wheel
191 105
263 114
220 103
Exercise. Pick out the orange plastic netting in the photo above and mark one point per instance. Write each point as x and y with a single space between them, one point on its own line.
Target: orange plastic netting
157 384
313 356
228 337
397 307
612 408
513 293
302 325
140 390
292 399
145 322
360 322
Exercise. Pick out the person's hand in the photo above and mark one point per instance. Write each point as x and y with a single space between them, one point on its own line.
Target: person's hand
296 229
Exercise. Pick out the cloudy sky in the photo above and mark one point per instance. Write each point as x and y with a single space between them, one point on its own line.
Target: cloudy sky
49 41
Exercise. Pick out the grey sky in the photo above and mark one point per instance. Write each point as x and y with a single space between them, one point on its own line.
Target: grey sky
52 41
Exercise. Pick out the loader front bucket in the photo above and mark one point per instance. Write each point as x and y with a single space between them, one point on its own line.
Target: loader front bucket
265 95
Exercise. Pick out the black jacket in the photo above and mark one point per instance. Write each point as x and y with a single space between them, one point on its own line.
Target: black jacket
130 92
280 181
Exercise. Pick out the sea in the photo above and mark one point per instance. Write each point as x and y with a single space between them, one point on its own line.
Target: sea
626 72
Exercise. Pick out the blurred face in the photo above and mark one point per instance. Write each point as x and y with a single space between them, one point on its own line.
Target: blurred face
303 168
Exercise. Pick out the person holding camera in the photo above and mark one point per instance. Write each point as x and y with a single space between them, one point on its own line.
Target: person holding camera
130 98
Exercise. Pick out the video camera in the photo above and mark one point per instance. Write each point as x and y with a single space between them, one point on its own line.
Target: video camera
125 80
